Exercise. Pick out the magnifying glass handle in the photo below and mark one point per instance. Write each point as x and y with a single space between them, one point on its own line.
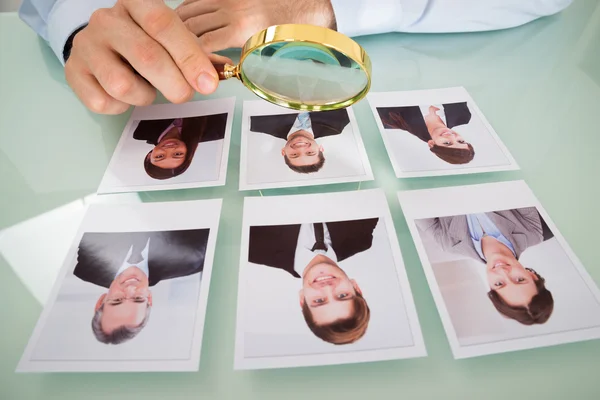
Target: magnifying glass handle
227 71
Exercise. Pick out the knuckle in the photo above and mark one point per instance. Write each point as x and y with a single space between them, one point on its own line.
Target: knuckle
207 41
146 53
80 40
97 103
100 17
119 85
244 23
158 21
190 25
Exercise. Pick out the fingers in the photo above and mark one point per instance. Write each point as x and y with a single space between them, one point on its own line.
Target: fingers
149 59
219 59
220 39
189 9
119 80
89 91
165 27
202 24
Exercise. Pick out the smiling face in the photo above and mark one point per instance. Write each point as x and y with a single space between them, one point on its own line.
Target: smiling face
445 137
126 302
301 149
327 291
507 277
170 152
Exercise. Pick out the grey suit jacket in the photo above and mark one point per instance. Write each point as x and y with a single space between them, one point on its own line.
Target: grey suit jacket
523 227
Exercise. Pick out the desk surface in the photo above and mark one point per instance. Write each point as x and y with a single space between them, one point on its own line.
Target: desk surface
539 85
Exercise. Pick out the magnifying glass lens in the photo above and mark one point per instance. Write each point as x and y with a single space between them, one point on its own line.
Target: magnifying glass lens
302 72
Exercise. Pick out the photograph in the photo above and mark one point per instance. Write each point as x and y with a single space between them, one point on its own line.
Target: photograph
283 148
321 287
502 276
437 132
172 146
132 293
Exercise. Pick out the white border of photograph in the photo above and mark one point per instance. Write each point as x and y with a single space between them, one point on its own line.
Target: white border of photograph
461 200
439 96
259 107
163 111
340 206
134 218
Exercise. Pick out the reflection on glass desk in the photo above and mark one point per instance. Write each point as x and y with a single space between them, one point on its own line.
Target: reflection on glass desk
539 87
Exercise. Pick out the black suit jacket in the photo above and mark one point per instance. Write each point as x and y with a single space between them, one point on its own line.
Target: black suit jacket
150 130
412 120
171 254
275 246
324 123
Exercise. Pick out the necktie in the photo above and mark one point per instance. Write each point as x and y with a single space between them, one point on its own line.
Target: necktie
303 122
319 238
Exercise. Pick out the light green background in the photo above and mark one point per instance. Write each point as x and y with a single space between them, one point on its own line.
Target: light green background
539 86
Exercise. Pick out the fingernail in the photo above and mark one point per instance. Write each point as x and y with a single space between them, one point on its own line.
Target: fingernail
207 83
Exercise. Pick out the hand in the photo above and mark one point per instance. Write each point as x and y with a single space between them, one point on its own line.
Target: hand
143 36
222 24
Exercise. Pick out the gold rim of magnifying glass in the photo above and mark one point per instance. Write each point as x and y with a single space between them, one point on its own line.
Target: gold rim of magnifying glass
308 34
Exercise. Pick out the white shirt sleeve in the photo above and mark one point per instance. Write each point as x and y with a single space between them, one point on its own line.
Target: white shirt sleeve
56 20
366 17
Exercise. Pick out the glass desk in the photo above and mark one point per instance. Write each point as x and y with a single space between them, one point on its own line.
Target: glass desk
539 86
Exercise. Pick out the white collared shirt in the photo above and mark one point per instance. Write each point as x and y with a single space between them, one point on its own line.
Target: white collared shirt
440 113
306 241
142 265
302 123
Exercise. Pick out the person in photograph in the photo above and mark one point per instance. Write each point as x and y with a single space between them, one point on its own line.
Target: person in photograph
332 303
498 239
128 264
435 130
175 141
301 152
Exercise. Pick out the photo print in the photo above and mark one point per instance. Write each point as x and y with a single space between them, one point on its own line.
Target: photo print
283 148
322 282
502 276
437 132
172 146
132 293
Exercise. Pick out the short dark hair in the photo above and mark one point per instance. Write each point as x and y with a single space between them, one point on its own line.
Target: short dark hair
454 156
341 331
119 335
306 169
537 311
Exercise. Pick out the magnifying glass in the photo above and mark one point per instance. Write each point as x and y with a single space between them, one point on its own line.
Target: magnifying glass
303 67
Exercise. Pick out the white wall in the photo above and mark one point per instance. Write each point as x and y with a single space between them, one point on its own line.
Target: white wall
265 164
273 318
464 289
412 154
67 333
